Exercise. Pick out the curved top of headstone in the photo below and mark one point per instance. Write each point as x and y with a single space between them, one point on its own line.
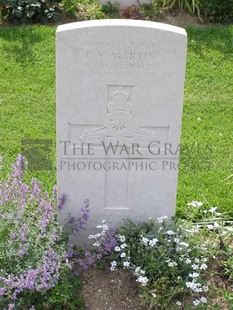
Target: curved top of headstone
121 22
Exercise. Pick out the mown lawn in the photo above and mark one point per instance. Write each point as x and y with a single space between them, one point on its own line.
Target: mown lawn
27 107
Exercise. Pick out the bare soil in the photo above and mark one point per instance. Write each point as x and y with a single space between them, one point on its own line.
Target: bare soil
110 290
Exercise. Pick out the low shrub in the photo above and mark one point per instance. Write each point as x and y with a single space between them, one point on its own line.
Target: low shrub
171 259
218 11
30 11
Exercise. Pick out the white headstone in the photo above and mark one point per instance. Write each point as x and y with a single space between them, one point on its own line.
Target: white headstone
125 3
119 108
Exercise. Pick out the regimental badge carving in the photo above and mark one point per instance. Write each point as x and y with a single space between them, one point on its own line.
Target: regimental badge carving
119 121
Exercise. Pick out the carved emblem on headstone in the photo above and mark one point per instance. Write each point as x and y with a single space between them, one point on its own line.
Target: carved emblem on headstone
119 118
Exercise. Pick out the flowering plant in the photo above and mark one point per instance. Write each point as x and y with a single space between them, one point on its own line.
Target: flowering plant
33 250
166 262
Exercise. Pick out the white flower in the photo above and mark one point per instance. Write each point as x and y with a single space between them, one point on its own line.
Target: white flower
195 204
153 295
172 264
137 271
195 267
96 244
126 264
121 238
142 280
203 267
196 302
170 232
124 245
117 248
188 261
196 260
178 303
162 219
194 275
185 244
153 242
123 255
113 265
213 209
145 241
142 272
177 240
216 225
203 300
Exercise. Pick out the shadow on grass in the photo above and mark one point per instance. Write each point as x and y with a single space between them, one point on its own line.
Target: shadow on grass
22 40
218 38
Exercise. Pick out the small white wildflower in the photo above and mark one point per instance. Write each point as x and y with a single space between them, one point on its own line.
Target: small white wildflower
126 264
142 272
153 242
113 265
124 245
203 300
216 225
137 271
188 261
96 244
153 295
178 303
117 249
195 204
196 260
170 232
185 244
91 237
177 240
142 280
203 267
194 275
123 255
196 302
162 219
121 238
145 241
213 209
195 267
210 227
172 264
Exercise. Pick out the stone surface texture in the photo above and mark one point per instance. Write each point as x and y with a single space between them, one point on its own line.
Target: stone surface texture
119 109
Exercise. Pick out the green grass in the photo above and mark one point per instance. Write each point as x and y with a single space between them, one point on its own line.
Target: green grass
27 107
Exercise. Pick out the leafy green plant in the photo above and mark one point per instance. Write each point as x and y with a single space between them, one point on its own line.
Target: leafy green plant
131 12
30 11
89 9
111 10
166 261
171 259
149 10
218 11
69 7
192 6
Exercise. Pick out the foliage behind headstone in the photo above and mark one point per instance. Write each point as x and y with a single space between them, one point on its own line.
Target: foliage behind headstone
30 11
